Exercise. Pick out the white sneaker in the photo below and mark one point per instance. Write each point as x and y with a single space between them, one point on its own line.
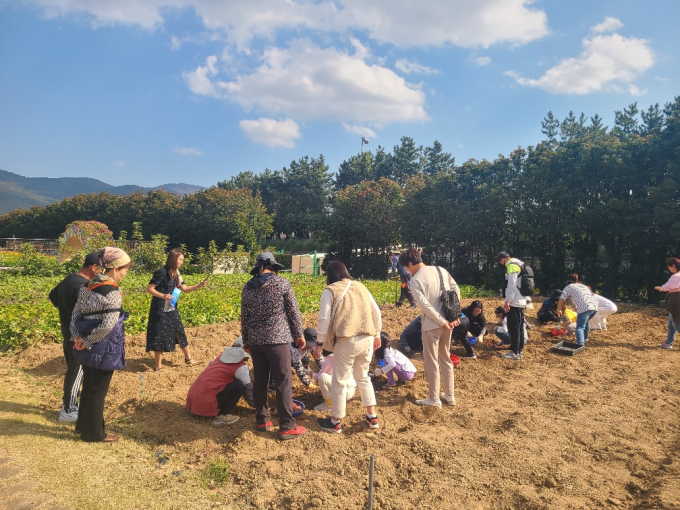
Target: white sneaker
429 402
511 355
68 417
449 401
322 407
225 419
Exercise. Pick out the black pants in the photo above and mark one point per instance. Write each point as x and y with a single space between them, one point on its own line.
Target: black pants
405 290
72 380
229 396
460 333
516 329
90 422
274 359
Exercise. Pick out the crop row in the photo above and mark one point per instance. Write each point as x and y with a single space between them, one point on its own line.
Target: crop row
28 317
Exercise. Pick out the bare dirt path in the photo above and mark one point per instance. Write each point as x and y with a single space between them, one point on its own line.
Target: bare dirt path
601 429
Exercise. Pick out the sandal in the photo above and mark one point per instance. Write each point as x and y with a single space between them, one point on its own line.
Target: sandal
157 369
189 362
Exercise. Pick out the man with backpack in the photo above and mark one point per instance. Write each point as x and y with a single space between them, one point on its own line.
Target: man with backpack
519 284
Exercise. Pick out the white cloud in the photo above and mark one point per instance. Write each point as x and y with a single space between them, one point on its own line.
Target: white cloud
359 130
409 67
187 151
271 132
120 163
308 82
659 78
482 61
146 13
402 23
605 62
608 25
199 81
634 90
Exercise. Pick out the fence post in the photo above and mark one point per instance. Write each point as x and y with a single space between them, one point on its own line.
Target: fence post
315 270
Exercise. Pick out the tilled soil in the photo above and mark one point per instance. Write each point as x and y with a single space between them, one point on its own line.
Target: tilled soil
601 428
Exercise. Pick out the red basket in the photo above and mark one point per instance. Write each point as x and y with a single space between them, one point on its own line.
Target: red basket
455 359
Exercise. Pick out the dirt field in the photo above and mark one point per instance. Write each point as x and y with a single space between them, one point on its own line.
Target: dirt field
600 429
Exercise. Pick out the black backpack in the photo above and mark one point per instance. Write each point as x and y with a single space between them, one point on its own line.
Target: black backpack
528 285
450 303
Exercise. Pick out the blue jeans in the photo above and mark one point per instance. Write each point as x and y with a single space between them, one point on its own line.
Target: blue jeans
503 337
672 328
583 326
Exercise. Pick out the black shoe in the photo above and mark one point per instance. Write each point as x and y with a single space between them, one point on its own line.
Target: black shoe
327 425
398 304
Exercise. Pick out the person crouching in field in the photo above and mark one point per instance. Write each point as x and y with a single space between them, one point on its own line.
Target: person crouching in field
605 308
221 385
393 363
99 341
349 326
548 311
585 303
475 312
672 286
165 328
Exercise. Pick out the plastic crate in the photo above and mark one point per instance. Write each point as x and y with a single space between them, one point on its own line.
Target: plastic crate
567 348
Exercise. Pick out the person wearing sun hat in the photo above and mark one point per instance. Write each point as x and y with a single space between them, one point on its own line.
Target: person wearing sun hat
270 322
99 340
221 385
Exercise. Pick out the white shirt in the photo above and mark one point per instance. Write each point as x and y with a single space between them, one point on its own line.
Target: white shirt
581 296
326 307
242 374
393 358
426 290
604 305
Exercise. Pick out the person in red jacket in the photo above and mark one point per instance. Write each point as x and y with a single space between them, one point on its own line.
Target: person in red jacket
221 385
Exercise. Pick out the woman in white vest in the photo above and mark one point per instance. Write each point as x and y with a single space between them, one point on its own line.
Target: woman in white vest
349 326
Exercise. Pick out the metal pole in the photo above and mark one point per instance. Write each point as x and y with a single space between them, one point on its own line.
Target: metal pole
362 145
371 468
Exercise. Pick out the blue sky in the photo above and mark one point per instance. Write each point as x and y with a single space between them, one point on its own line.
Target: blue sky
155 91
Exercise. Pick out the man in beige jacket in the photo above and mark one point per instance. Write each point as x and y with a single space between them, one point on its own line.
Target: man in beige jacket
436 330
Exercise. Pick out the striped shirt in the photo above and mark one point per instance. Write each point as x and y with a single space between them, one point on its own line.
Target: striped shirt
580 296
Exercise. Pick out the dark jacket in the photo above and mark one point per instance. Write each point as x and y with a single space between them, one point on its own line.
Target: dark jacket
673 305
64 297
477 323
269 311
108 353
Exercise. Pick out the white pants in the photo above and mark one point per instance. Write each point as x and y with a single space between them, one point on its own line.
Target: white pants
351 356
325 386
599 321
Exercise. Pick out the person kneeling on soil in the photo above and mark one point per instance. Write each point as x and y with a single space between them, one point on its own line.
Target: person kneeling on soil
475 312
501 331
297 359
411 337
548 311
393 363
324 377
221 385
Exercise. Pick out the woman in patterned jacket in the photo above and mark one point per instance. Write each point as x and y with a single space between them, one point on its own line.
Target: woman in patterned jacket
270 321
99 341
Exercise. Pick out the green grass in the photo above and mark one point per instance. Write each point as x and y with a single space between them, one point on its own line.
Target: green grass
27 316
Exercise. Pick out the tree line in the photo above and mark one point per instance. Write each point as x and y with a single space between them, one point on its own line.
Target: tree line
600 201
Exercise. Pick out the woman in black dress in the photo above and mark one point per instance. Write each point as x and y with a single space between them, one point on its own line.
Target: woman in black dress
165 327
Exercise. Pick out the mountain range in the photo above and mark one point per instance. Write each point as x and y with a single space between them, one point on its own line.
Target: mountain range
17 191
